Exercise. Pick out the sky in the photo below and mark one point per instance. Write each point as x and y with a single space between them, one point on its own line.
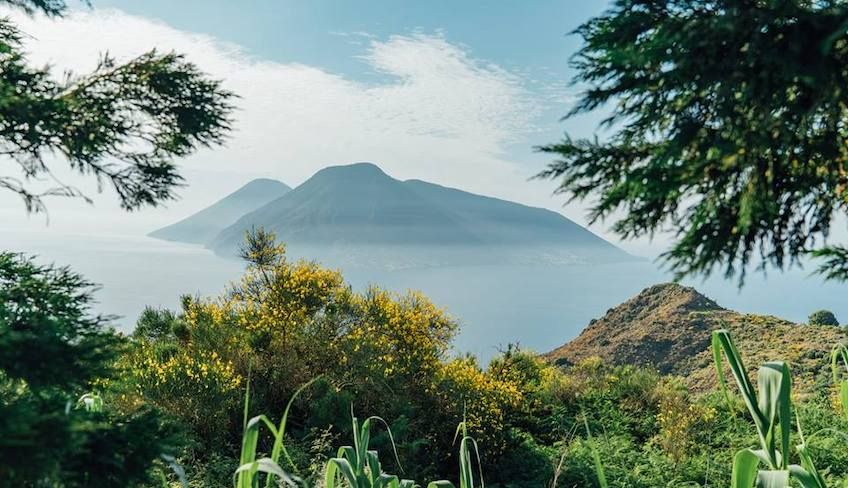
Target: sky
456 93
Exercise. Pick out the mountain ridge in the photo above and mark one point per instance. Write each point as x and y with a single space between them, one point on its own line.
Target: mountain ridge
203 225
360 205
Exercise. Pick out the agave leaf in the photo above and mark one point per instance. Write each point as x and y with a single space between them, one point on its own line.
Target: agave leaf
374 468
267 466
596 456
804 477
386 481
806 474
775 386
248 454
391 438
347 452
764 457
723 343
840 352
247 397
843 397
773 479
362 444
279 437
771 389
744 473
339 467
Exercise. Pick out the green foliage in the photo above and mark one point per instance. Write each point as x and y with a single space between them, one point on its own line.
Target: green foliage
289 321
44 314
357 466
251 466
839 355
727 127
122 123
48 7
771 409
822 317
53 430
155 324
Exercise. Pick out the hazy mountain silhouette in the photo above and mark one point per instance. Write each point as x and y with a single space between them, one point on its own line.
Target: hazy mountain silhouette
201 227
351 210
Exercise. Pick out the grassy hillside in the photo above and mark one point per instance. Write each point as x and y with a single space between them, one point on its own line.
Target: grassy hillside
668 327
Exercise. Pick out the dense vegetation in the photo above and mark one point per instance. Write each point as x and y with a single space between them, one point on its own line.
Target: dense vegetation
737 162
177 386
52 352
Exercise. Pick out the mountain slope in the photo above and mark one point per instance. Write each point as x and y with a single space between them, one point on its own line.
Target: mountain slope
358 205
204 225
355 204
668 326
497 221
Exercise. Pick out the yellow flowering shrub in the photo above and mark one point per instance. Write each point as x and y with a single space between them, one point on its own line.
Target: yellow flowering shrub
286 322
199 387
390 334
678 418
284 297
184 371
485 401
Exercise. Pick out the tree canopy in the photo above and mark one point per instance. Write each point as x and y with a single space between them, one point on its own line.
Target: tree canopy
729 129
123 124
822 317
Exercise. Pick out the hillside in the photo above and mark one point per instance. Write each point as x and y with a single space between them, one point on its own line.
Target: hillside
204 225
358 206
668 327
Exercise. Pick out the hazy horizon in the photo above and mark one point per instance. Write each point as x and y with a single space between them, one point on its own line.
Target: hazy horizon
438 98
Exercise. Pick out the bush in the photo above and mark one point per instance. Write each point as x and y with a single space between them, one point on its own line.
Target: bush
822 317
52 351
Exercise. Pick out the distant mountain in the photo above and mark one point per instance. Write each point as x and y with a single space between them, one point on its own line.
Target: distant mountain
201 227
349 210
669 327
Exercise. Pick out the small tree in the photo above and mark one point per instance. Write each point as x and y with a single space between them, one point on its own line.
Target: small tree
822 317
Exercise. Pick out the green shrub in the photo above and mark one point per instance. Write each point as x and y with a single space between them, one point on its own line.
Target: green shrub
822 317
53 351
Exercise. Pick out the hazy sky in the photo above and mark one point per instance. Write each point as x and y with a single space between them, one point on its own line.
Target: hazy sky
456 93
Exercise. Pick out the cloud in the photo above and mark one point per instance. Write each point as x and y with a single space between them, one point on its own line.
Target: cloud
435 112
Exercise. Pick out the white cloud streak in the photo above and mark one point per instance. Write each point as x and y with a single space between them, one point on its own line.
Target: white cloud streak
436 113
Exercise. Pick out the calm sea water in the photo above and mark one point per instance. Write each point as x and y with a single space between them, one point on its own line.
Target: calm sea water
537 306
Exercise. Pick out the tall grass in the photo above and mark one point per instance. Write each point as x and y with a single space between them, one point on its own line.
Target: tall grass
466 467
355 466
251 468
596 456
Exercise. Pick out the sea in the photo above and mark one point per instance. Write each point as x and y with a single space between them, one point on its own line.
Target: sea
537 306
